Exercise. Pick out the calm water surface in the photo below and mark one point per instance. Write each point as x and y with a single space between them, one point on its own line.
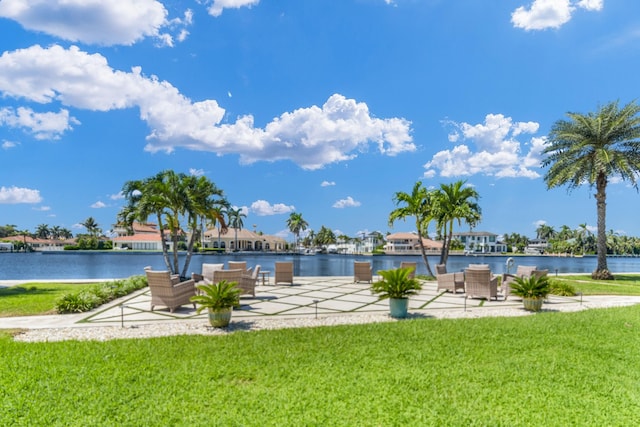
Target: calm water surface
75 265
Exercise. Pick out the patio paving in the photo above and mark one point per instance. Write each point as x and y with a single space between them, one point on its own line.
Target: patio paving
308 297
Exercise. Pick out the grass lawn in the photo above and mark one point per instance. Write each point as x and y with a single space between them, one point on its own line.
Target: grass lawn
624 284
34 298
547 369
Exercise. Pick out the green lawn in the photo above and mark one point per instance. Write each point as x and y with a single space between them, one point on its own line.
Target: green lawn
624 284
34 298
546 369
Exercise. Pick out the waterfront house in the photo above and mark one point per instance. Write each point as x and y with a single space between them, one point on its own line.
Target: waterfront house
409 244
247 241
480 242
141 237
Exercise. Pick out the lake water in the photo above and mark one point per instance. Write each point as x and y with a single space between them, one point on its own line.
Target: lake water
104 265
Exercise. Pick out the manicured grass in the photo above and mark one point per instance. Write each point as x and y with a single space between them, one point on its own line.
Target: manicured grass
624 284
34 298
545 369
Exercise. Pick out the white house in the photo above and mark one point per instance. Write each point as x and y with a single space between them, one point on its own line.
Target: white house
409 244
480 242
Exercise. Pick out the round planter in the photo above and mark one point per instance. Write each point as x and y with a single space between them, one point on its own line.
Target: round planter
220 317
398 307
532 304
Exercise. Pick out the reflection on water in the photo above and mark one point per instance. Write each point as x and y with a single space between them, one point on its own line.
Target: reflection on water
75 265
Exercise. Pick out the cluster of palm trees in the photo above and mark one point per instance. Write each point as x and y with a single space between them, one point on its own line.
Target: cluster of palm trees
449 204
178 202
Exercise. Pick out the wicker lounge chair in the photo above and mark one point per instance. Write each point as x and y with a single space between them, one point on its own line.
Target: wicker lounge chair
235 265
168 291
480 283
412 265
248 282
207 272
362 271
449 281
283 272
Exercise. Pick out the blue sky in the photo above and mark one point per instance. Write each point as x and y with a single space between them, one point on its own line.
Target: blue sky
326 108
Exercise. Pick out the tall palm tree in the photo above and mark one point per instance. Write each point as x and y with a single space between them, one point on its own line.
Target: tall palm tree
92 226
43 232
171 197
235 221
296 224
455 202
417 204
591 149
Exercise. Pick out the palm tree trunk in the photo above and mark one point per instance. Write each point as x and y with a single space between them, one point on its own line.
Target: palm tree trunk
423 251
601 205
165 252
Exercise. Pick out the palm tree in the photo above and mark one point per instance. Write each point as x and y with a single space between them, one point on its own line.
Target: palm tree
455 202
418 205
235 221
92 226
296 224
545 232
590 149
42 232
171 197
216 218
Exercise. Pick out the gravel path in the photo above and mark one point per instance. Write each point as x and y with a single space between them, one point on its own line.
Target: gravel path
199 327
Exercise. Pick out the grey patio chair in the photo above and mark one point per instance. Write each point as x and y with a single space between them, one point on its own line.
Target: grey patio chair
248 282
449 281
412 265
168 291
207 272
362 271
283 272
507 279
480 283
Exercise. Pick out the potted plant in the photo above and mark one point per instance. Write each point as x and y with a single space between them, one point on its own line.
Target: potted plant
219 299
533 290
397 286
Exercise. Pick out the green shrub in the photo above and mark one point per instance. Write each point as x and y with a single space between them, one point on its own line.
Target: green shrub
88 299
562 288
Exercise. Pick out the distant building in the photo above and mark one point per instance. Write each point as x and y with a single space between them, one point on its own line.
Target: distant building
409 244
247 241
145 237
41 244
480 242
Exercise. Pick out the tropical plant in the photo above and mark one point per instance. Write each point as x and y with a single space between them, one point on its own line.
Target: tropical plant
172 198
235 221
92 227
455 202
534 287
296 224
591 149
418 205
42 232
564 289
396 284
215 296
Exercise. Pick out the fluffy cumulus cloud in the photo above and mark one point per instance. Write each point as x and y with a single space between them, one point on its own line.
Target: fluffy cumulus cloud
264 208
327 184
494 151
98 205
543 14
346 203
219 5
114 22
15 195
48 125
311 137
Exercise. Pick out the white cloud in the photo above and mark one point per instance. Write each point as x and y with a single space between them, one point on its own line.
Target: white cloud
14 195
495 150
114 22
98 205
117 196
543 14
539 222
327 184
196 172
264 208
43 209
219 5
311 137
42 125
346 203
9 144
